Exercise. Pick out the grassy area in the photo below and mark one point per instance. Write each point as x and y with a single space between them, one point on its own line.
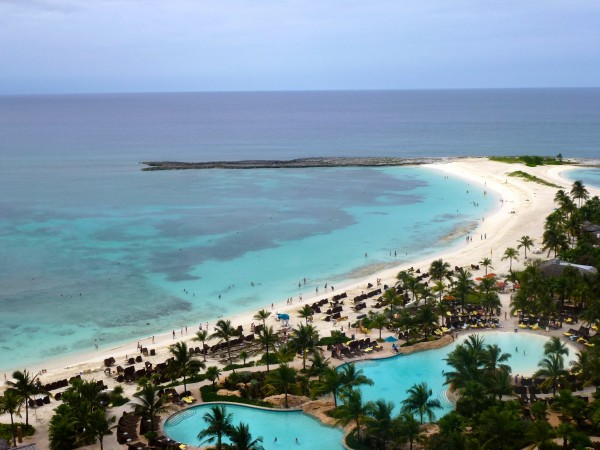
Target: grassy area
533 178
530 161
209 394
6 432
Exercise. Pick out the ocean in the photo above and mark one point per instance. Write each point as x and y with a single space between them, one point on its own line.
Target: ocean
96 251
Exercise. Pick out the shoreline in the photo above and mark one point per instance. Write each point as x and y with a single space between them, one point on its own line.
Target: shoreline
501 227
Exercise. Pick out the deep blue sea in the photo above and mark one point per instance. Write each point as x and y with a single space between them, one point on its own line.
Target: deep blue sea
93 248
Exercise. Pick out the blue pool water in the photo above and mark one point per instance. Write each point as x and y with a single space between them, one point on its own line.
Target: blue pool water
392 377
286 426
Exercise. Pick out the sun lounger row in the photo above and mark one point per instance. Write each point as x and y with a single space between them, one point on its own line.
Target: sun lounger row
127 428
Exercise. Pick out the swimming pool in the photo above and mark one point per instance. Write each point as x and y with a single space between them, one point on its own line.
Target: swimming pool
286 426
393 376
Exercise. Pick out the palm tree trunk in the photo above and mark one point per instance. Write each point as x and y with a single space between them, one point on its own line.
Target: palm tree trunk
26 411
12 428
267 359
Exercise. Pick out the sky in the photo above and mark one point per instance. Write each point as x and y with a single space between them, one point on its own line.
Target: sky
85 46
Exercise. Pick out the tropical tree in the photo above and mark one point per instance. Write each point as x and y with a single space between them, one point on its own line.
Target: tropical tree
487 263
202 336
352 409
464 285
183 364
407 428
241 438
26 387
419 402
319 363
330 382
98 425
554 346
551 368
379 321
579 192
219 424
510 253
439 287
149 404
526 243
353 377
304 338
493 359
10 403
554 239
438 269
213 373
62 431
379 421
283 379
224 331
262 315
500 383
306 312
267 338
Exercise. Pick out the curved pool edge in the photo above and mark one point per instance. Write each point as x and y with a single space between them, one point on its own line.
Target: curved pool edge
344 429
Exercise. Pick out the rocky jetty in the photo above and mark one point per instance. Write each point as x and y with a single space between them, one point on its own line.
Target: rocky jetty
290 164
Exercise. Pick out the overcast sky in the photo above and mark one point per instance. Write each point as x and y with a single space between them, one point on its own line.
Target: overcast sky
56 46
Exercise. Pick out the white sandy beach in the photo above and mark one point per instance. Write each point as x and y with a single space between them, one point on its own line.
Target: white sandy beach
521 211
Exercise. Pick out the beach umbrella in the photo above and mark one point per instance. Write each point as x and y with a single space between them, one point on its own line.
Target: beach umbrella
449 297
391 339
284 316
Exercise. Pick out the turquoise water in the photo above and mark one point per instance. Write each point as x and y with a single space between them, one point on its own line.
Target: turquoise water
103 253
392 377
286 426
589 175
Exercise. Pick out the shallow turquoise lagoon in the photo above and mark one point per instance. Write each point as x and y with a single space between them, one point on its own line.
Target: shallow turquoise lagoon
286 426
103 255
590 176
392 377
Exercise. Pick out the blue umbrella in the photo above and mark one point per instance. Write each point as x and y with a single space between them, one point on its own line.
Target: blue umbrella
391 339
284 316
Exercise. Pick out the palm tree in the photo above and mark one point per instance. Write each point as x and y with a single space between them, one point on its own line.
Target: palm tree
551 368
241 438
330 382
526 243
379 421
378 321
62 431
493 358
306 312
319 363
500 383
539 432
202 336
213 373
487 263
419 401
438 269
262 315
353 408
244 355
25 385
464 285
150 404
304 338
353 378
554 346
283 378
10 403
267 338
510 253
579 192
439 287
219 425
224 331
183 364
407 429
99 425
554 239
